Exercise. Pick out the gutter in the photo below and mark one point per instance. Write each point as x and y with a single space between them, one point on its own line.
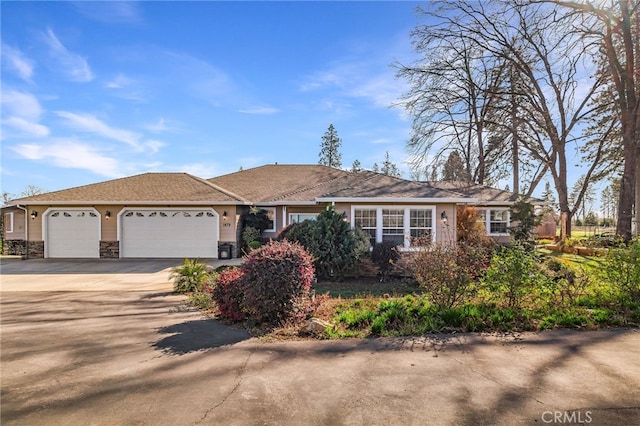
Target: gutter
26 230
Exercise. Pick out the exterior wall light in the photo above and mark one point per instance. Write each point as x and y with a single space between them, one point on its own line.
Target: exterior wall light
34 214
107 215
224 215
443 217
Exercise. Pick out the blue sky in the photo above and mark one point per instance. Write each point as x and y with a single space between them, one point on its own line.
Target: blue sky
94 91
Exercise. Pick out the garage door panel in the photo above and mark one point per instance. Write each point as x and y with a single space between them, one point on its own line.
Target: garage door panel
73 234
168 233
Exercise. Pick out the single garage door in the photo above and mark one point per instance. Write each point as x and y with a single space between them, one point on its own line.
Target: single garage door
72 233
169 233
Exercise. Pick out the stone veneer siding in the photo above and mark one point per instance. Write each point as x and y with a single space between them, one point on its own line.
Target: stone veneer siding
36 249
109 249
234 248
15 247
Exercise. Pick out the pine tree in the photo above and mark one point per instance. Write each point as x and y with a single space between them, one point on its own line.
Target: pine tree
356 167
330 149
389 168
454 169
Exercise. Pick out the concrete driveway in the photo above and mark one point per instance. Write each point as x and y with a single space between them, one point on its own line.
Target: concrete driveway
90 274
143 358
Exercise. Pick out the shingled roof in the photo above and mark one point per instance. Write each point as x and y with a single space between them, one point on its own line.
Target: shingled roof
290 183
147 188
484 194
271 184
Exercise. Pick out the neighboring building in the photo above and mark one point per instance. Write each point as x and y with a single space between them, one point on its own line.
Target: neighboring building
177 215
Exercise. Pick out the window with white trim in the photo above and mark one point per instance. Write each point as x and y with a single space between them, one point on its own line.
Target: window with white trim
409 226
8 223
420 227
301 217
366 220
271 214
393 225
495 221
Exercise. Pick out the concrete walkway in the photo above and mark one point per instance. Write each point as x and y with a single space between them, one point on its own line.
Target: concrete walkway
142 358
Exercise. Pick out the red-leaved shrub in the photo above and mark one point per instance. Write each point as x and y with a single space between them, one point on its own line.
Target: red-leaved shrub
229 293
275 277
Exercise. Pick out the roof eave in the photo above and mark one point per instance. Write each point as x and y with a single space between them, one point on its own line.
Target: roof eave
129 202
431 200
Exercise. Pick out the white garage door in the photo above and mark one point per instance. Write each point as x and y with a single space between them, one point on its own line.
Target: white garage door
169 233
72 233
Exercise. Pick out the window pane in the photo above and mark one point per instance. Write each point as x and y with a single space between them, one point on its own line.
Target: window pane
498 228
366 220
393 224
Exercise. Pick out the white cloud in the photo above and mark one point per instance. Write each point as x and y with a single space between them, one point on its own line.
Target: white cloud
89 123
72 155
159 126
22 104
154 146
16 60
21 113
75 66
113 12
27 128
259 110
119 82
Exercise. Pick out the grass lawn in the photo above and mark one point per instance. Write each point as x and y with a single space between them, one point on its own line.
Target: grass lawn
361 287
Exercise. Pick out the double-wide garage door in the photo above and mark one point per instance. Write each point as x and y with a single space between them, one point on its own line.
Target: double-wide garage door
169 233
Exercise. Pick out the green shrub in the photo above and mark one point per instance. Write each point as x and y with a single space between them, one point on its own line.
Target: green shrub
191 276
201 300
254 245
525 220
385 255
275 277
621 269
250 234
304 233
512 276
335 247
228 293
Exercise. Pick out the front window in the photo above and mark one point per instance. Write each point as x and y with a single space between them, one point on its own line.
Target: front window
420 226
495 221
271 214
8 222
393 225
366 220
404 226
301 217
498 221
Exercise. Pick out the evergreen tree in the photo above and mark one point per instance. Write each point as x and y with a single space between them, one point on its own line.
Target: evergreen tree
389 168
375 168
330 149
356 167
454 169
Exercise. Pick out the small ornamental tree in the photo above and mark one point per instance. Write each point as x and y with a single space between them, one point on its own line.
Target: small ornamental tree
275 277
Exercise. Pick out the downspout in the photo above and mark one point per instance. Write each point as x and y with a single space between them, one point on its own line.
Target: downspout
26 230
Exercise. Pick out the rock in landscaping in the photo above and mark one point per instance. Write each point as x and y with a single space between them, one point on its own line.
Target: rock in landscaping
315 326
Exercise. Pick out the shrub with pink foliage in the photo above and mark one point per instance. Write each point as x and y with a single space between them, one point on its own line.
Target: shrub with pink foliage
275 277
228 293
